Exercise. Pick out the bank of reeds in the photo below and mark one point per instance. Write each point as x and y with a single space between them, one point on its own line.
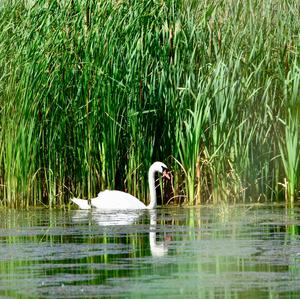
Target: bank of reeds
92 92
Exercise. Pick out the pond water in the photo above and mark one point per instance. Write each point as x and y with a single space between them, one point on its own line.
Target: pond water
209 252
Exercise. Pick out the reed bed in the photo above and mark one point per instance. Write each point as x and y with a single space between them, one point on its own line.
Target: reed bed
92 92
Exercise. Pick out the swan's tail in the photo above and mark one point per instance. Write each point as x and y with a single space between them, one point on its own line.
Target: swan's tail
82 203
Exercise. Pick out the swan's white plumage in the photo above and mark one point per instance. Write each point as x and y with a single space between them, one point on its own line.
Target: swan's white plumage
82 203
118 200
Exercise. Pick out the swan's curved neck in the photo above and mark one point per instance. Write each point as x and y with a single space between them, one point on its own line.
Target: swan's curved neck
151 179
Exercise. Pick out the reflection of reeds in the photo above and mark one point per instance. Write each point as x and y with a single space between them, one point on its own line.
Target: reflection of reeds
92 92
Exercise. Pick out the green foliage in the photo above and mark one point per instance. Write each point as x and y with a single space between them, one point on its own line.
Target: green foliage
92 92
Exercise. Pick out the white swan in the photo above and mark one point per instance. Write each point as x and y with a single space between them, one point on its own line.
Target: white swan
118 200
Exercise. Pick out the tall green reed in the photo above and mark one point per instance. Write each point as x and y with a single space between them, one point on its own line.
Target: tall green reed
92 92
289 143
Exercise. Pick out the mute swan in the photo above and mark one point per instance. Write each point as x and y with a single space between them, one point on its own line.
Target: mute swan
118 200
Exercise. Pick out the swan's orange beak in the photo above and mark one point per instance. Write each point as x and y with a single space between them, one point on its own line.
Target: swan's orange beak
166 174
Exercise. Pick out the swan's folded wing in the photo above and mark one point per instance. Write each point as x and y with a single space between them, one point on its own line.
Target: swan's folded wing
116 200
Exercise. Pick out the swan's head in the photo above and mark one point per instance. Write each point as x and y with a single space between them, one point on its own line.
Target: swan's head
160 168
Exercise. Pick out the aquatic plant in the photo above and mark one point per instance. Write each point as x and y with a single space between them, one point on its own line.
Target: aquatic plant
92 92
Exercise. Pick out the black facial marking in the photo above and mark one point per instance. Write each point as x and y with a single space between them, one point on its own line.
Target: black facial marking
164 168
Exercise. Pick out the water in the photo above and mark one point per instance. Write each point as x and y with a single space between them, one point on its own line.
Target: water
212 252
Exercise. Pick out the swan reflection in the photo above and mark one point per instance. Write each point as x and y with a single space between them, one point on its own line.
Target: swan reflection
157 248
108 218
124 218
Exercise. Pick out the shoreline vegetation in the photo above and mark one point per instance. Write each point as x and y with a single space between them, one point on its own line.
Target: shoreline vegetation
92 92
